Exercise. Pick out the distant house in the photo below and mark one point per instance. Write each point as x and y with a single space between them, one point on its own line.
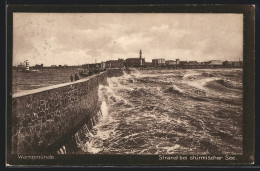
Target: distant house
89 69
202 63
85 66
148 64
115 63
27 67
95 65
38 66
192 63
135 62
215 63
170 62
24 66
103 66
183 63
177 62
158 62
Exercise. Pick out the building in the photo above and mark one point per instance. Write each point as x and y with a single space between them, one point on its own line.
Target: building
172 62
115 63
192 63
177 62
135 62
38 66
148 64
24 66
183 63
158 62
27 68
203 63
215 63
103 66
95 65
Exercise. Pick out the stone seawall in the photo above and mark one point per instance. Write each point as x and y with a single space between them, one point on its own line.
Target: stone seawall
44 117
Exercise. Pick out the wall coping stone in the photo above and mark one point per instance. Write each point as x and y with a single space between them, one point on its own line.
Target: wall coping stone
41 89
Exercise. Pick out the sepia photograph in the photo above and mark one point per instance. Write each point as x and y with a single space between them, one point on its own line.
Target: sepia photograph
170 86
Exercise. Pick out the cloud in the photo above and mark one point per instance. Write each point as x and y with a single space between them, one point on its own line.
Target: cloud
66 38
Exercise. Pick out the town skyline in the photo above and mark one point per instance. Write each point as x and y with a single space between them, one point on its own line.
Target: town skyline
75 39
123 59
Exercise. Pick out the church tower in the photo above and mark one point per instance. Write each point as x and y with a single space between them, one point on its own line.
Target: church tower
141 61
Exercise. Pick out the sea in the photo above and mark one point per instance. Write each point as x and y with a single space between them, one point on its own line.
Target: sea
22 81
192 112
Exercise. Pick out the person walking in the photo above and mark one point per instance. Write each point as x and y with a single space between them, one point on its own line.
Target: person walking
76 77
71 78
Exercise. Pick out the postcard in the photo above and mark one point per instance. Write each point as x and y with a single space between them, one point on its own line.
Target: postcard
162 85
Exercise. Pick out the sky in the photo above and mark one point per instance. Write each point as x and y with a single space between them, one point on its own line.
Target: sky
80 38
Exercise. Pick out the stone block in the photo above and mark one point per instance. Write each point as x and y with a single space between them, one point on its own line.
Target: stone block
48 116
43 119
42 102
37 128
41 114
42 107
35 115
35 121
56 119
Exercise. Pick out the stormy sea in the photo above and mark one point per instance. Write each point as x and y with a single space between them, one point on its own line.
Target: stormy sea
169 112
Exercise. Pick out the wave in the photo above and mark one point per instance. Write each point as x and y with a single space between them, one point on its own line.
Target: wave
224 85
199 84
139 92
191 75
230 84
174 89
135 73
157 112
206 74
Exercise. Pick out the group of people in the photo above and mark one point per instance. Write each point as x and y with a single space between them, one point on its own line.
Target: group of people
76 77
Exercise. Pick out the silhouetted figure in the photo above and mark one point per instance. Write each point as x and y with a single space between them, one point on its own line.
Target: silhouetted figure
76 77
71 78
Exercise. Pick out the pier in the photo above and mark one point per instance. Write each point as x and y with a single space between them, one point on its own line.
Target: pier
43 118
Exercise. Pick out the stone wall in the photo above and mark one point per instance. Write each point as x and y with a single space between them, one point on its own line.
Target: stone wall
43 117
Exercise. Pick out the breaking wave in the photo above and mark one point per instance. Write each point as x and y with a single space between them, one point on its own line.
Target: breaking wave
230 84
174 89
224 85
169 112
